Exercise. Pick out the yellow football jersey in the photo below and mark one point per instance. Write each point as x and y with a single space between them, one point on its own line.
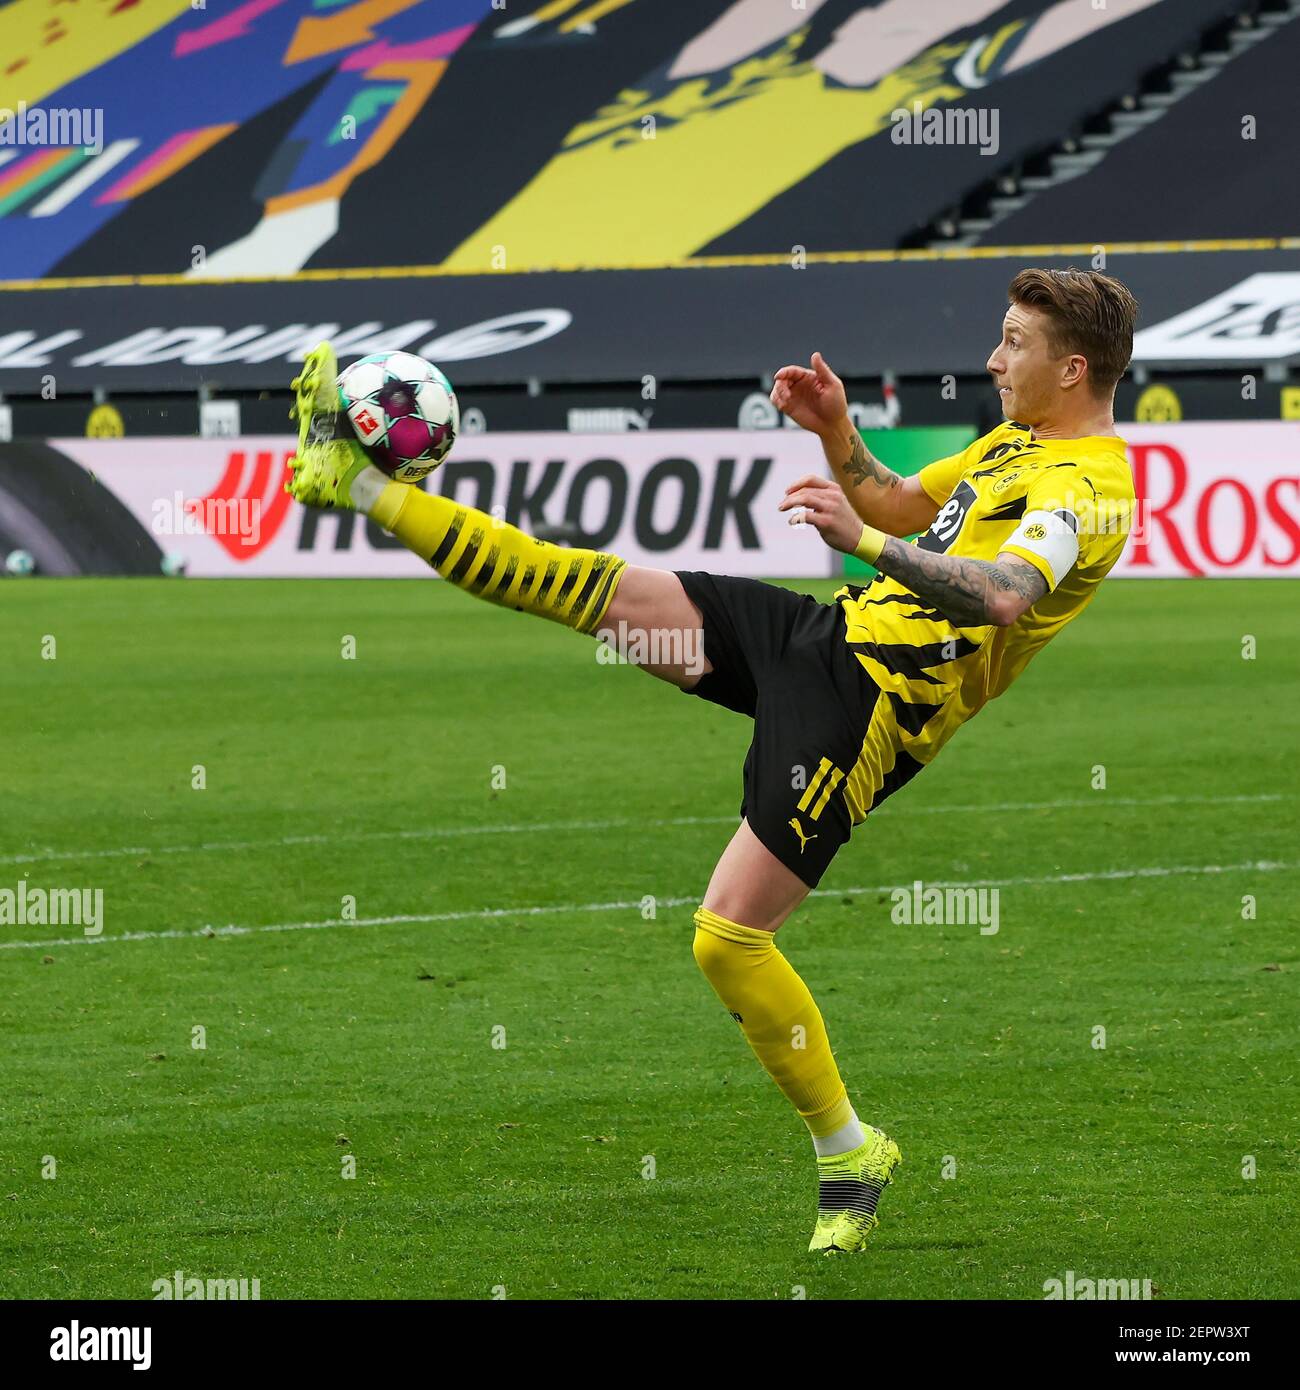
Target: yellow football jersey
933 676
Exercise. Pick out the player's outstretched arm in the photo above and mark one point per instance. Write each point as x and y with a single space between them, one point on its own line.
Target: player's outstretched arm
969 593
814 398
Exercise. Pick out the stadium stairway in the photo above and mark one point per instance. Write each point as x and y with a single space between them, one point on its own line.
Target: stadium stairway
1019 210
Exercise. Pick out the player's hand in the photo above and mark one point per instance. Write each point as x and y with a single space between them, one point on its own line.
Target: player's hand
811 396
818 502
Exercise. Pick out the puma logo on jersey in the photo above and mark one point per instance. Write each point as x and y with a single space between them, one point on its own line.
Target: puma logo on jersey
804 840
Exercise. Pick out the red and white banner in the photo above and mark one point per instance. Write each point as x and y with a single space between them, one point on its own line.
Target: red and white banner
698 499
1214 500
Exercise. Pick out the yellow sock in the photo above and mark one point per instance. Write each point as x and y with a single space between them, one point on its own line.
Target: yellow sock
777 1015
498 562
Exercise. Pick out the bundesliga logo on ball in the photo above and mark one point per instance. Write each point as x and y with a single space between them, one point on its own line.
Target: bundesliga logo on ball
403 410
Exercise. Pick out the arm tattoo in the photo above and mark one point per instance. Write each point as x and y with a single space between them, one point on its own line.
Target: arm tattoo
863 464
962 590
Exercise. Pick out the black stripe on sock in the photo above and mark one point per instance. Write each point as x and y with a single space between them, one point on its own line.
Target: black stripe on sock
449 540
551 571
468 555
597 610
503 584
570 579
485 571
598 566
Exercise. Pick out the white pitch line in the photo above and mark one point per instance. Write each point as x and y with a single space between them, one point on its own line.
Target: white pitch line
447 832
349 837
488 914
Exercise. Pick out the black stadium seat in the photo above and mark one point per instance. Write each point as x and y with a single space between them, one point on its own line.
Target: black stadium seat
878 194
1144 190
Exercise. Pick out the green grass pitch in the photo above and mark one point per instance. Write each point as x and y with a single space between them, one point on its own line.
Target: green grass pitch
1029 1151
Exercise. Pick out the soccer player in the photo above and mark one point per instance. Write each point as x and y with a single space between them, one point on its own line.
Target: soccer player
850 699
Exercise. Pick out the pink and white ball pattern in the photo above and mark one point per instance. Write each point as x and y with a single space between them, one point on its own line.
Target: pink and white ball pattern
403 411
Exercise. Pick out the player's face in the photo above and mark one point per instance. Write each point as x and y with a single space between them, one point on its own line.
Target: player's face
1024 371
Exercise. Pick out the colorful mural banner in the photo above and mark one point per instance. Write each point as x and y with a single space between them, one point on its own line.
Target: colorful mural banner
264 137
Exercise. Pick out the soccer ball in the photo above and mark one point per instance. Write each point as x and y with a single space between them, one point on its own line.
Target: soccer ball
403 410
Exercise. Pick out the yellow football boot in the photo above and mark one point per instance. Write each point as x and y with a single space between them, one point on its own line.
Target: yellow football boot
329 454
849 1187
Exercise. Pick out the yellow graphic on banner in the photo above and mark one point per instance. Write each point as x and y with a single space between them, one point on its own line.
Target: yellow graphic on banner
654 177
45 44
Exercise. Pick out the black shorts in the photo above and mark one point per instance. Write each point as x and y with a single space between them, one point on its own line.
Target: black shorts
781 658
